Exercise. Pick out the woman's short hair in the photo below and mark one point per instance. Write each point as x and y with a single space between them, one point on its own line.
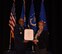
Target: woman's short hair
44 23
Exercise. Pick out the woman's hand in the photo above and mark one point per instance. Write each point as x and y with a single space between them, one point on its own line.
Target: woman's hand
35 41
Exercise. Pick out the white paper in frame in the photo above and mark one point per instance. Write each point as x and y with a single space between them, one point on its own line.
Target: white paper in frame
28 34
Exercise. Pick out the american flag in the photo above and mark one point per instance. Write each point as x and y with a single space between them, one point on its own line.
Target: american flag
12 21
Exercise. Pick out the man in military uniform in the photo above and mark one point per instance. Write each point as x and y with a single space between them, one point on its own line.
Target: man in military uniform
19 37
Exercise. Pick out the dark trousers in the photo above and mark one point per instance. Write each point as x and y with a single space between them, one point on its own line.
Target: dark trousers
41 51
28 52
19 51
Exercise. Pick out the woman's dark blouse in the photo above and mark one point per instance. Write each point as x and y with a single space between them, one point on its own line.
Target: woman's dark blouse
43 40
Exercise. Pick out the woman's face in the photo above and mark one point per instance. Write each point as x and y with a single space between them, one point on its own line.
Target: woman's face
41 26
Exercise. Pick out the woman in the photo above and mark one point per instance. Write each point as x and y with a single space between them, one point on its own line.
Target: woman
41 39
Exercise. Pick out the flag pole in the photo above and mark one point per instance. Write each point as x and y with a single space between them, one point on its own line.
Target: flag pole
32 45
24 11
11 34
10 42
25 20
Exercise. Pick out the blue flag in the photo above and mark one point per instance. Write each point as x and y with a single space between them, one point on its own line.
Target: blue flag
22 12
23 15
32 19
43 15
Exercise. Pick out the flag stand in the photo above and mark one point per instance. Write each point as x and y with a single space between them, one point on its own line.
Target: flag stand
10 42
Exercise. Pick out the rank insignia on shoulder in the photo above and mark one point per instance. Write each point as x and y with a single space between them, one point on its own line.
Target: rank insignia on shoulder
19 28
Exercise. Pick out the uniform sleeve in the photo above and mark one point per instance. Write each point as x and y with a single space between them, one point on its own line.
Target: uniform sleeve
46 38
16 31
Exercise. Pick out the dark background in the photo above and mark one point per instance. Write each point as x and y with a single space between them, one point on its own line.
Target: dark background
53 14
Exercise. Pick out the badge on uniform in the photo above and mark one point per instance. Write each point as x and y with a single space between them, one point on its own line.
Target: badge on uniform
20 32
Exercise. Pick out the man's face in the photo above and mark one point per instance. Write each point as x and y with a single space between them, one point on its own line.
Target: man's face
21 21
41 26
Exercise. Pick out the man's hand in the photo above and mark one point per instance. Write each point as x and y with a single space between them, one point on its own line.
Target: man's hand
26 41
35 41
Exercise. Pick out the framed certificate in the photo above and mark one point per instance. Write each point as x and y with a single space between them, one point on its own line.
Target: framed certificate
28 34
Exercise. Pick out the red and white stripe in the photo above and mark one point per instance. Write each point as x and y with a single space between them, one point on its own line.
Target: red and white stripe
12 22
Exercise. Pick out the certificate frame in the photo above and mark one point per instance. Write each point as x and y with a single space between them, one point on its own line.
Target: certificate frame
28 34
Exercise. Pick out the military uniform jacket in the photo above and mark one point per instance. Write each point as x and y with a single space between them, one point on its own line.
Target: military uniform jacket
19 37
